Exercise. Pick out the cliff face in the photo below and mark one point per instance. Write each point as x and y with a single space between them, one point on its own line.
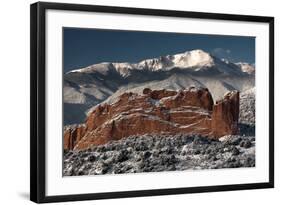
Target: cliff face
72 136
225 115
157 112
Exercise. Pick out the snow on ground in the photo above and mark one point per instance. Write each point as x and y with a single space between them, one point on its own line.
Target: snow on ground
247 106
150 153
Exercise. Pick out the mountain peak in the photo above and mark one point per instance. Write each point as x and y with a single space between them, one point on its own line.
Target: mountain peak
187 60
199 51
193 58
246 67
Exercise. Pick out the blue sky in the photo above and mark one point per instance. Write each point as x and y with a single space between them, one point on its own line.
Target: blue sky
83 47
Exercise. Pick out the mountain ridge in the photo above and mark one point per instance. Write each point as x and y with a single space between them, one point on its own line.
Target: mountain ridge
194 60
89 86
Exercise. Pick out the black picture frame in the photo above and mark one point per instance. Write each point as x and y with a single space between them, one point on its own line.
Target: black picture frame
38 101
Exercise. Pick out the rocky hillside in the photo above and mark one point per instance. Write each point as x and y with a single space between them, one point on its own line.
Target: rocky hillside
248 106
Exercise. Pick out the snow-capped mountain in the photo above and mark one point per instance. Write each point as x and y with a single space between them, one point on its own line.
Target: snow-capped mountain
193 61
89 86
246 67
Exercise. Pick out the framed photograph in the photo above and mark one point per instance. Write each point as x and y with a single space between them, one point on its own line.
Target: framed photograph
129 102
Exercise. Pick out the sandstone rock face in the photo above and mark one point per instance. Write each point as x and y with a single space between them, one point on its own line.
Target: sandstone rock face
225 115
72 136
194 97
157 112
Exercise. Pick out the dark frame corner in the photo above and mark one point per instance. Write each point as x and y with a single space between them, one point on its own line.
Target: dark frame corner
37 101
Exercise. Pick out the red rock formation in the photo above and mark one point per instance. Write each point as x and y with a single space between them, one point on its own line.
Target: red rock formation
157 112
158 94
225 115
194 97
72 136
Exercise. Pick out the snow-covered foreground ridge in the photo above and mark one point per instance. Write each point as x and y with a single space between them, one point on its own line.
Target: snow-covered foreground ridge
194 60
157 153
